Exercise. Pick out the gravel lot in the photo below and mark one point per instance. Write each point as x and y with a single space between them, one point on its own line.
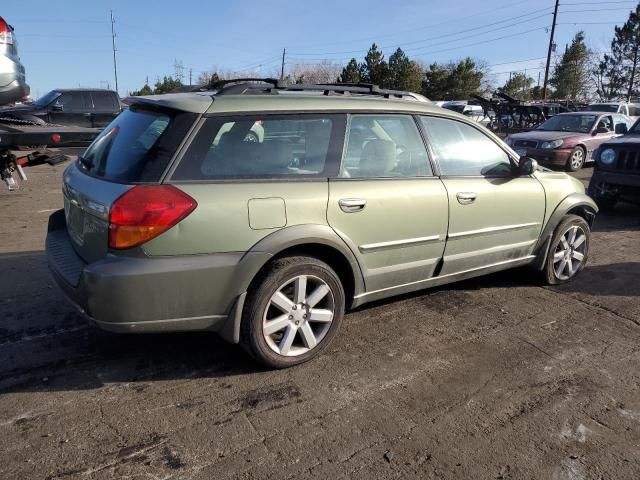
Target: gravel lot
496 377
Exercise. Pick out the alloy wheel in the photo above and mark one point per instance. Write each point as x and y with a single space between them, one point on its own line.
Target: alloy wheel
570 252
298 315
577 159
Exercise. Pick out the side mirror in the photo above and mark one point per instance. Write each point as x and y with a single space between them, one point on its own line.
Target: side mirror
621 128
527 166
601 130
57 107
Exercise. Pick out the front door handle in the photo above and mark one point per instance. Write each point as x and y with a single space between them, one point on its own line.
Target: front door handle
465 198
352 205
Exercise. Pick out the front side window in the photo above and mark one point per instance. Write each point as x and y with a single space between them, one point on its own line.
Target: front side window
261 147
462 150
384 146
74 101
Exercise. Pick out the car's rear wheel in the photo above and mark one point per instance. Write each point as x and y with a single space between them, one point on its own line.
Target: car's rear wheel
576 159
292 311
568 251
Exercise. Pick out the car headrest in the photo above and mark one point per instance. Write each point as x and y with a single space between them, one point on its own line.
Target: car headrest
378 157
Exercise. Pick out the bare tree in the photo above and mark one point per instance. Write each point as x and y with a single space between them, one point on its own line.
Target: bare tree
323 72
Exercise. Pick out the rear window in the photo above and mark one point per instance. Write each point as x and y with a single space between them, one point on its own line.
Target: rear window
137 146
264 147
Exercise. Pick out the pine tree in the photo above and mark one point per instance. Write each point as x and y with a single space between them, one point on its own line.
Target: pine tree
571 75
374 69
625 48
436 83
518 86
145 90
350 73
167 85
404 74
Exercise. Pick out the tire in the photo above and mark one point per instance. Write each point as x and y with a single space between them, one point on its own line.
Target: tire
561 268
577 159
278 326
251 137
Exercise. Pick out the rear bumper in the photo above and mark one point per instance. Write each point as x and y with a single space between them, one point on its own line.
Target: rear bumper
13 92
168 294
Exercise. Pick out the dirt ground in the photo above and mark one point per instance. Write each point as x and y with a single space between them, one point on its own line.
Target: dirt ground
494 378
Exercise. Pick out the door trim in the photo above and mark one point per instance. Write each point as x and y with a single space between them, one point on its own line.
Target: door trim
440 280
397 243
502 228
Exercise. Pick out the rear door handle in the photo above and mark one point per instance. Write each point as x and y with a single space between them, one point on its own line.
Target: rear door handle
465 198
352 205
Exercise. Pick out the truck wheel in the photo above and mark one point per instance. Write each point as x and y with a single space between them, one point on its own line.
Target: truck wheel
568 251
292 312
576 159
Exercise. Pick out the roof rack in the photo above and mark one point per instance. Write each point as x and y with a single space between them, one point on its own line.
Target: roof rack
240 86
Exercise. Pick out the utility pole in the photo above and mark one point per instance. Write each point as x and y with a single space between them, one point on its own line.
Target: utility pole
546 70
190 73
284 52
113 44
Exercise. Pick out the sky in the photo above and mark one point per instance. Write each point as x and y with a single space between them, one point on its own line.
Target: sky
67 43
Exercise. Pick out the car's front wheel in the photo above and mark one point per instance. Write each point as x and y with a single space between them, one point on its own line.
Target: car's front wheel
568 250
576 159
292 311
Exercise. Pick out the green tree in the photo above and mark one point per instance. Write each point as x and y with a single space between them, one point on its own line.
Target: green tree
436 83
168 84
375 69
145 90
404 74
571 74
350 73
625 47
610 78
518 86
465 79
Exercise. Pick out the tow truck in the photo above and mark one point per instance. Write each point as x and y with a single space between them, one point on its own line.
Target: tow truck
17 135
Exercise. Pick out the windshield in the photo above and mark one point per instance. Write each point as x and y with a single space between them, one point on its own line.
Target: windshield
455 108
47 99
569 123
603 107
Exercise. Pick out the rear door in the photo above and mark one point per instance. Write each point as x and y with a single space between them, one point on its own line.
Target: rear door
105 108
386 203
495 215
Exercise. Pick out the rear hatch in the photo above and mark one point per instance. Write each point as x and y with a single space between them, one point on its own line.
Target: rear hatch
136 148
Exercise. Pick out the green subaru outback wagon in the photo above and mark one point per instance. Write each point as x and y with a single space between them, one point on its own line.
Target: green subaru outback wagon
180 217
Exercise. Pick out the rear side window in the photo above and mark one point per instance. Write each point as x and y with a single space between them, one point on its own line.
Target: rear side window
104 101
137 146
264 147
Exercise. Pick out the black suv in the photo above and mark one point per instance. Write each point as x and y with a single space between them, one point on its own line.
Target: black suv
81 107
617 170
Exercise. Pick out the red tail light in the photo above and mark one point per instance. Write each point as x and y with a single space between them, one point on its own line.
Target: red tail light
146 211
6 32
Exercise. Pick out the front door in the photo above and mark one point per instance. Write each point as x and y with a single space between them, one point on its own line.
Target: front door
495 215
386 204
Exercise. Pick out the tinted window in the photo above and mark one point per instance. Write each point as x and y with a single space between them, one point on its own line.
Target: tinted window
46 99
104 101
603 107
462 150
137 146
384 146
569 123
75 101
262 147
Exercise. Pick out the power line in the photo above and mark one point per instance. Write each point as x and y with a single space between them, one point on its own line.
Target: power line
480 27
